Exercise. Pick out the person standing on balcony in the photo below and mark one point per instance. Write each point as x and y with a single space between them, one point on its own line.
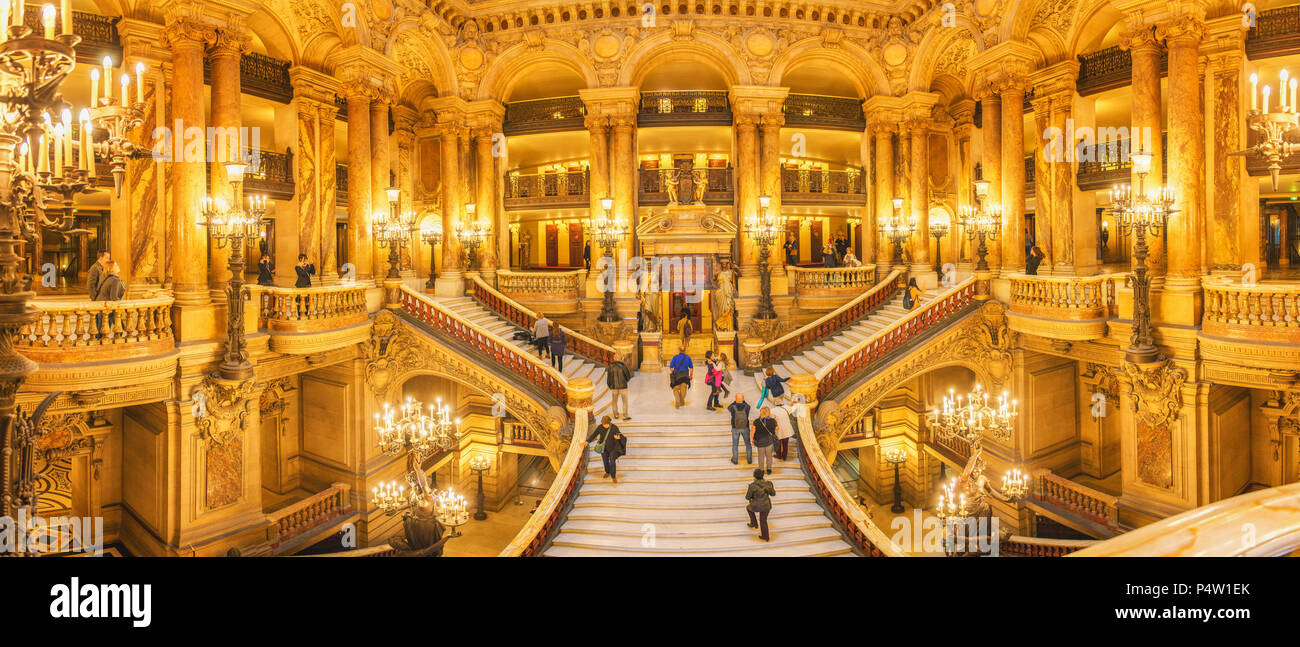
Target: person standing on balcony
616 378
96 274
305 269
1033 260
850 260
610 444
681 372
739 411
791 249
764 434
759 495
912 294
557 342
265 271
841 246
828 256
111 287
542 335
586 254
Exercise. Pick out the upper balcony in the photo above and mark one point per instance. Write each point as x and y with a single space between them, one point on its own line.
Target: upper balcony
831 113
654 187
544 116
684 108
1069 308
821 186
553 190
70 332
303 321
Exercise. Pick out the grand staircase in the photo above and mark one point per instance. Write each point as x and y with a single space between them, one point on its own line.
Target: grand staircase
574 366
823 352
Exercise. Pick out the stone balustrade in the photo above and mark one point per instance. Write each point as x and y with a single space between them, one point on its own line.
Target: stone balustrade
301 517
1260 312
1021 546
532 538
313 309
833 281
1080 500
517 433
1074 298
550 292
89 331
524 317
828 324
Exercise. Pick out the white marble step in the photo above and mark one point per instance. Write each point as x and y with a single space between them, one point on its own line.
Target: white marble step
794 478
690 500
742 537
734 489
759 548
720 528
786 510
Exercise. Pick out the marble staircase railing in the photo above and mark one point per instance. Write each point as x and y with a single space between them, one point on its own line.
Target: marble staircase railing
826 281
1021 546
555 292
864 353
493 349
382 550
89 331
1215 530
303 516
1081 500
1063 297
532 538
520 315
313 309
829 323
1268 312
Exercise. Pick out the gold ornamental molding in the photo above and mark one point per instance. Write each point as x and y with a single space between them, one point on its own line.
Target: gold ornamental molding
982 344
396 353
224 408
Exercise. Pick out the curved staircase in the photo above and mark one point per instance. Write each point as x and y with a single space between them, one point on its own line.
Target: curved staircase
830 348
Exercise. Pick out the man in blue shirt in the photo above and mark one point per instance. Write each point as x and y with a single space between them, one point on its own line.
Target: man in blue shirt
679 379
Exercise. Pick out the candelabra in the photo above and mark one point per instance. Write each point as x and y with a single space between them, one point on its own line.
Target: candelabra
234 227
898 229
968 419
59 174
471 233
896 456
480 464
393 230
982 223
408 430
765 229
1141 212
117 118
939 225
432 235
450 510
1273 126
607 232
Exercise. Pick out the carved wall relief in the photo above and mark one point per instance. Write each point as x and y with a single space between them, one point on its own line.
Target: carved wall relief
1157 398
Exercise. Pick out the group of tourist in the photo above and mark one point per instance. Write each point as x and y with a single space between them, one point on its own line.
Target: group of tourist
304 269
835 253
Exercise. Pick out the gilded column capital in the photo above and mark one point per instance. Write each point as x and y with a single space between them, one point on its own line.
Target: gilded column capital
773 120
184 26
1136 35
596 122
622 121
882 128
918 125
358 90
1187 29
746 120
231 41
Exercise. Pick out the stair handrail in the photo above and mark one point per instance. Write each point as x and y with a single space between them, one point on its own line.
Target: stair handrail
854 521
537 531
891 336
1105 506
519 315
523 363
1042 546
835 320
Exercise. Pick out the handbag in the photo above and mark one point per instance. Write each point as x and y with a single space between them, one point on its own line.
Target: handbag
599 447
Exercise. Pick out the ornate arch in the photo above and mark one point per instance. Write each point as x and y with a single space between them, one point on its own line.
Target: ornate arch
275 30
944 51
1045 23
861 69
710 48
514 63
1095 19
422 57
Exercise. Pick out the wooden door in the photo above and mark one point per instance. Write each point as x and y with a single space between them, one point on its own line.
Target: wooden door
677 305
575 244
815 241
791 227
552 245
340 245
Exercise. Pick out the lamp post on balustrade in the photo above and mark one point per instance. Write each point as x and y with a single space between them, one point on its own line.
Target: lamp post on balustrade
608 232
898 229
471 233
234 227
765 229
896 456
393 230
982 223
432 235
939 226
1140 212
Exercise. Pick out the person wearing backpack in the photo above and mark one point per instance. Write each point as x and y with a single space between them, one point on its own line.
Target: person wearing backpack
610 444
764 434
759 495
616 378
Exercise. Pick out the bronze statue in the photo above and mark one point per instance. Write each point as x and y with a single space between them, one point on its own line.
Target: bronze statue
701 179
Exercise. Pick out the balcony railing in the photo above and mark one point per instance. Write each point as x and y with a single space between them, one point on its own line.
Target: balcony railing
523 317
312 513
654 183
537 531
544 115
834 281
548 190
1261 312
1109 68
684 107
1108 163
91 331
1063 297
813 186
517 433
261 76
271 174
1080 500
1276 33
816 111
1021 546
547 290
99 37
313 309
830 323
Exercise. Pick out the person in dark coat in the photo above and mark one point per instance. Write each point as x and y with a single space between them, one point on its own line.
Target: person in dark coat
791 249
763 432
111 287
265 271
305 271
614 442
759 495
96 274
1033 260
557 342
586 254
616 377
775 385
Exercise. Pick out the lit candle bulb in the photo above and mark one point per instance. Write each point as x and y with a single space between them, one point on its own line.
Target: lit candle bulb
1267 89
4 20
1294 83
65 11
1254 91
67 135
47 19
27 157
108 79
126 81
58 149
139 82
94 86
1281 90
86 154
42 155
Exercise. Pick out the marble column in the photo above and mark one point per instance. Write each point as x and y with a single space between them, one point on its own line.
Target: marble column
1013 176
140 241
746 169
465 157
1231 239
1146 125
1049 154
450 282
485 177
404 119
920 193
224 54
885 193
360 231
963 113
379 178
623 175
190 239
991 168
315 161
1186 152
598 187
770 179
